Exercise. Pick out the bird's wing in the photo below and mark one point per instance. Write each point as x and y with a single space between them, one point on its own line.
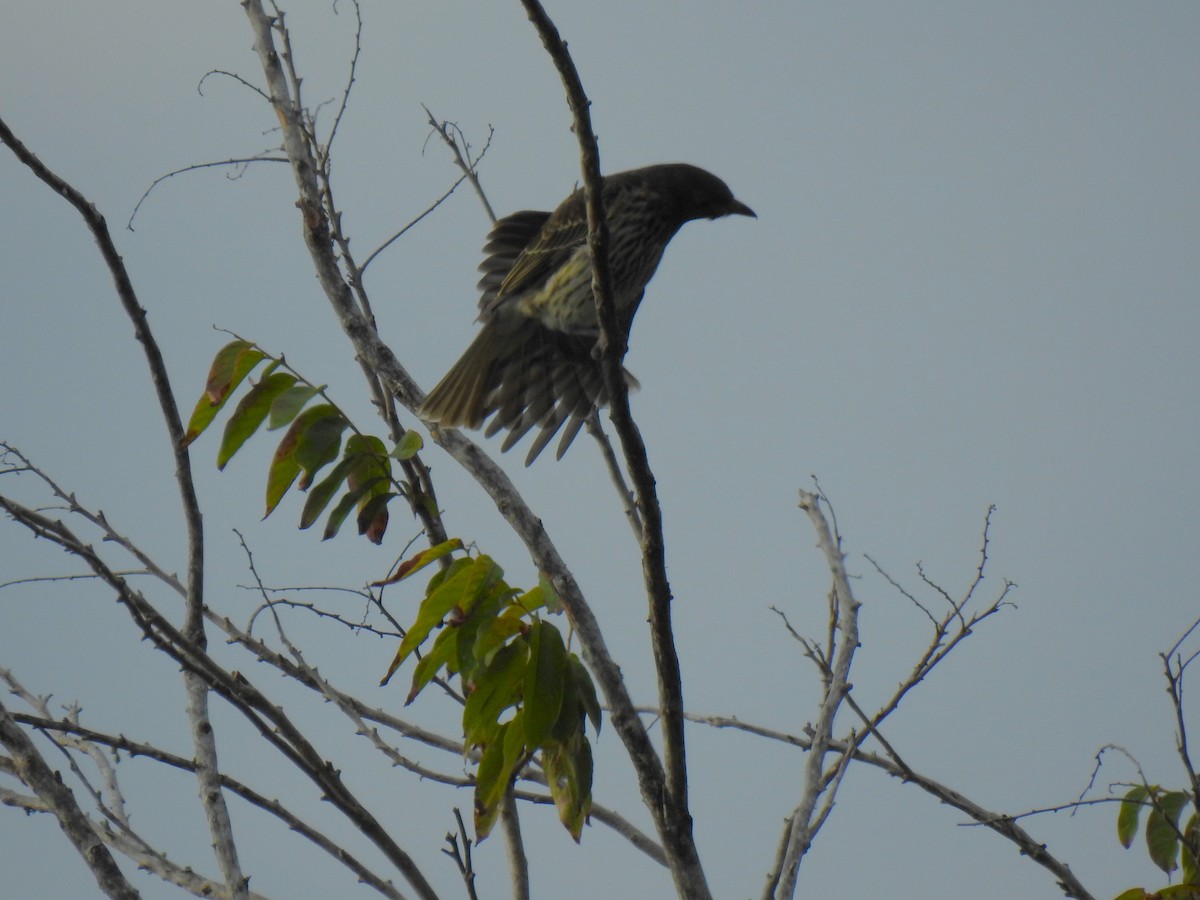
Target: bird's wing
555 242
507 239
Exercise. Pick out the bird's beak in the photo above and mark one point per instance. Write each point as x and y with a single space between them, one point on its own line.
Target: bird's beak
738 208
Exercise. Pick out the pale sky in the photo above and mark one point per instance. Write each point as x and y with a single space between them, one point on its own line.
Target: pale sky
973 279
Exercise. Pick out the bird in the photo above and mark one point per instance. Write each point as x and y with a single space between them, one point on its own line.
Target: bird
535 363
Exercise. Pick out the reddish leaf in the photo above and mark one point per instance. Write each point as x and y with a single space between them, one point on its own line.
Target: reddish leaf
232 363
421 560
373 517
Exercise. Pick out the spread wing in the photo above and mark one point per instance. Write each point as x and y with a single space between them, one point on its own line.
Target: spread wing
525 248
505 243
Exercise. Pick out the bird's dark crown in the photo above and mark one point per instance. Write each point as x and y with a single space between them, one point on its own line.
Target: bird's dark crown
698 193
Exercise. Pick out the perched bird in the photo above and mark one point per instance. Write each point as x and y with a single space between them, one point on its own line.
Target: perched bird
533 364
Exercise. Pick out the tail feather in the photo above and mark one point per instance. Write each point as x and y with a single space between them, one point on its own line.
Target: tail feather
523 378
458 399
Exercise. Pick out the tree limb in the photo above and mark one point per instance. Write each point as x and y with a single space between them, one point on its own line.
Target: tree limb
48 786
674 821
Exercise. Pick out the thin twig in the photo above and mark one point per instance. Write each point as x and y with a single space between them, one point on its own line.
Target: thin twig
452 135
237 161
461 855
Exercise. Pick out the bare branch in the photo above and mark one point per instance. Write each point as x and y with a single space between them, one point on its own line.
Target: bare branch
614 472
193 626
399 234
518 862
1003 824
231 75
375 354
242 162
272 725
350 79
462 855
33 771
453 136
674 819
273 807
806 819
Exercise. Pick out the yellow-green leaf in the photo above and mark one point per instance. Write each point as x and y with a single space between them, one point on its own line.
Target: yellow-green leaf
492 634
497 688
232 363
491 780
1162 837
477 618
1190 858
450 592
441 653
409 445
1129 812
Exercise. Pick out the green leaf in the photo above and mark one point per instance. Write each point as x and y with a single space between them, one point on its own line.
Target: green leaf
1162 838
549 595
492 634
318 434
455 590
491 780
443 652
280 476
1190 858
569 723
320 495
543 682
1128 813
250 413
232 363
568 769
289 403
532 600
304 445
515 752
350 499
371 459
498 688
409 445
1132 894
587 690
480 617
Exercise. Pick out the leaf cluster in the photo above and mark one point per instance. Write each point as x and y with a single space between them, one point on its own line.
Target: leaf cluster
363 474
527 696
1169 845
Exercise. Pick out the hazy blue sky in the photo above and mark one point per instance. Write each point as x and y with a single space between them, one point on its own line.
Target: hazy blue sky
973 279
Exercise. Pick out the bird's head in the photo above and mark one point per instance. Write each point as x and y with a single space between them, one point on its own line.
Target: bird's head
700 194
